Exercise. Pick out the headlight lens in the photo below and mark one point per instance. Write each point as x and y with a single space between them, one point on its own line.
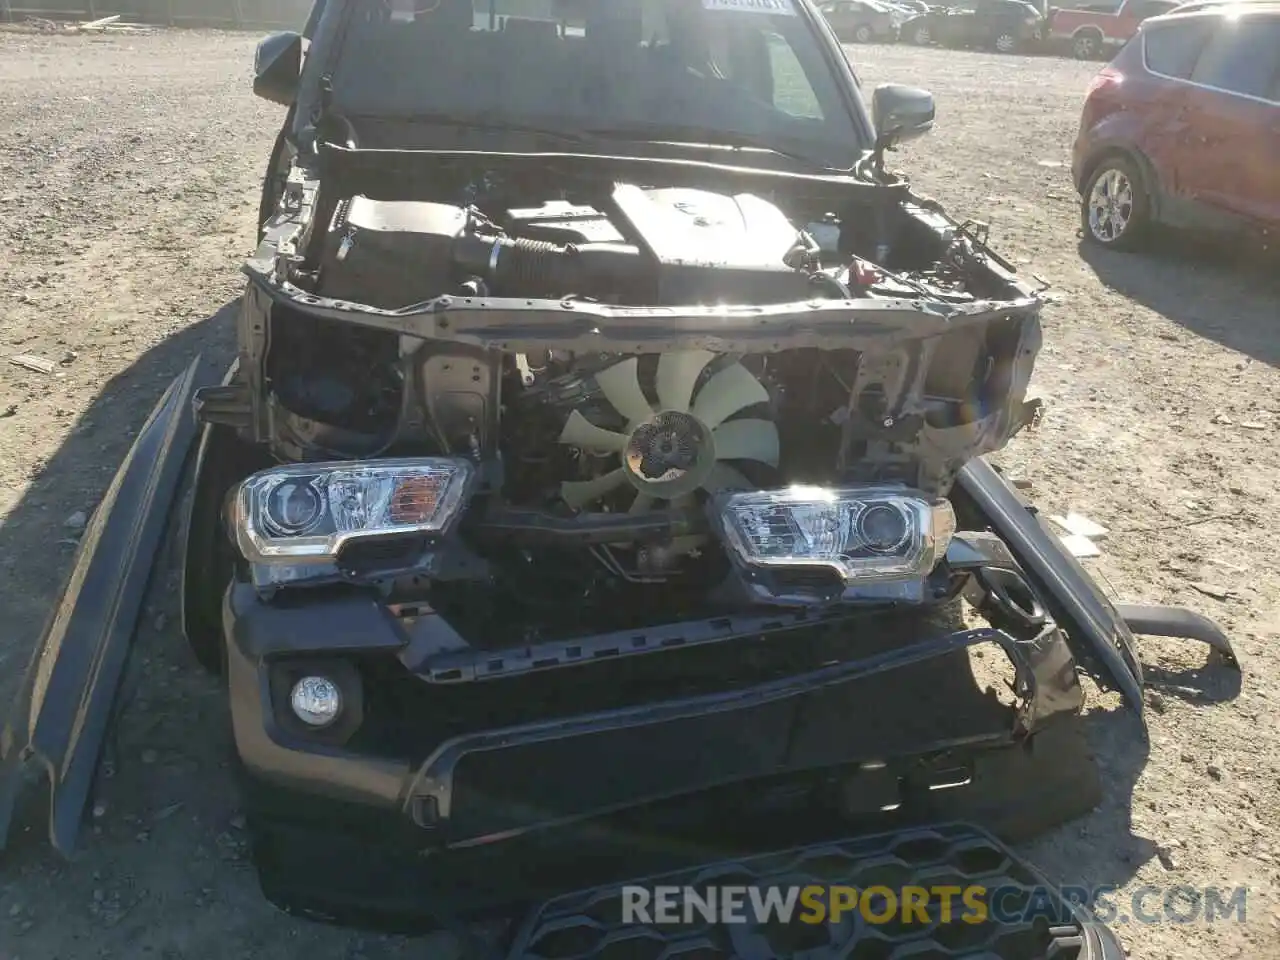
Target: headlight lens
863 533
308 512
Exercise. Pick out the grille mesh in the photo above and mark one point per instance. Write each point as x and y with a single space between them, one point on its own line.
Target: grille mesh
588 925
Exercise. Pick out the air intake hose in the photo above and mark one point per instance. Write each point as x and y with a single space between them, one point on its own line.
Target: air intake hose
538 268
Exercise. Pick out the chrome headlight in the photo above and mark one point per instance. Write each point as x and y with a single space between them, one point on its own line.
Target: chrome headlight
306 513
864 534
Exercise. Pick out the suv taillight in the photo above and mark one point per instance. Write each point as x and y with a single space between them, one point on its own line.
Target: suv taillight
1108 78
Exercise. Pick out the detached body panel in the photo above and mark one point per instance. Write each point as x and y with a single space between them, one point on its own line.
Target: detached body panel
67 699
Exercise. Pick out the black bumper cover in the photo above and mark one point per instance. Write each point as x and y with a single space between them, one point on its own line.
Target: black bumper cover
494 819
492 784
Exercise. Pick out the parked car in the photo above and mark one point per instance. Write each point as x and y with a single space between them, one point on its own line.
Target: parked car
1090 32
904 10
1195 5
1004 25
1183 129
862 21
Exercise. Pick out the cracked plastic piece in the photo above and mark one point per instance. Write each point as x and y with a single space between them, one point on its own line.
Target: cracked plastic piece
1179 623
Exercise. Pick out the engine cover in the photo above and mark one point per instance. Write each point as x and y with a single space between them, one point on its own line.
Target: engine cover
694 246
714 247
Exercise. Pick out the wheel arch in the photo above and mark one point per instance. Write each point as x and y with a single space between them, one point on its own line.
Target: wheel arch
206 558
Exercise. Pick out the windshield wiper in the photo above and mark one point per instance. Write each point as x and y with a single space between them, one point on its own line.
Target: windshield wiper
694 136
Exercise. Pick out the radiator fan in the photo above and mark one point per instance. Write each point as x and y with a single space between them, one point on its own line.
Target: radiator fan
680 447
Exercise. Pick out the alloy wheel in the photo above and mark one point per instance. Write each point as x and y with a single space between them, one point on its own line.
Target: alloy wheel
1110 206
1085 47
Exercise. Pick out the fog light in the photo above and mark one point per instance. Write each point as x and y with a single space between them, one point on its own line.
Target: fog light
316 701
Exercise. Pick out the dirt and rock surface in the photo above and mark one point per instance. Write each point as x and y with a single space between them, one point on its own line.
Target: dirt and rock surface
128 177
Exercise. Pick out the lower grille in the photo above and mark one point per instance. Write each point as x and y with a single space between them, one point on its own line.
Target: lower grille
1032 922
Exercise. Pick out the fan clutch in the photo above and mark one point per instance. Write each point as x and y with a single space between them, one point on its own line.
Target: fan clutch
680 446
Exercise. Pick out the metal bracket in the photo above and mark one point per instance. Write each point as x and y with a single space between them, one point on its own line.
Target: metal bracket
229 405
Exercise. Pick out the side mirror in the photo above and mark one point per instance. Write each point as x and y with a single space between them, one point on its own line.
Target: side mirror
277 67
900 114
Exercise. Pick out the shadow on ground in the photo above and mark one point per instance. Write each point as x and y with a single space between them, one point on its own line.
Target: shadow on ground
1213 290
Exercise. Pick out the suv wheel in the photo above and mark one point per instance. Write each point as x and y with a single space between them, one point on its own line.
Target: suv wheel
863 34
1006 42
1115 210
1086 46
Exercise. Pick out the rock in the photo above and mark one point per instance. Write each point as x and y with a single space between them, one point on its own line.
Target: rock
77 521
1214 771
15 910
1156 702
149 756
1165 855
237 822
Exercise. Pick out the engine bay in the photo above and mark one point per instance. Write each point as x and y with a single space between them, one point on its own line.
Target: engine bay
601 463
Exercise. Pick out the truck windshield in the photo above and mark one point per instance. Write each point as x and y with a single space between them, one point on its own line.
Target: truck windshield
735 72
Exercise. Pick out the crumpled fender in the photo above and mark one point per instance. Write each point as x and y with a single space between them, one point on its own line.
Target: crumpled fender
65 707
1098 634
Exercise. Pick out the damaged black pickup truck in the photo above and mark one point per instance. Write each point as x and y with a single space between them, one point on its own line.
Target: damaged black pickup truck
598 491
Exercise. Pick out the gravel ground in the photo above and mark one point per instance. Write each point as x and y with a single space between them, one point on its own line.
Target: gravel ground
128 181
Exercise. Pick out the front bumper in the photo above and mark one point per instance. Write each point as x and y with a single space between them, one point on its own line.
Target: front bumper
491 783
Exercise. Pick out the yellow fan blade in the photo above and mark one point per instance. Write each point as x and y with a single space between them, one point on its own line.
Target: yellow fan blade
643 503
747 440
581 432
724 477
677 373
730 390
577 492
620 385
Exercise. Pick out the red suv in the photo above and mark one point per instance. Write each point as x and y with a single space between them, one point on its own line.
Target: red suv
1182 128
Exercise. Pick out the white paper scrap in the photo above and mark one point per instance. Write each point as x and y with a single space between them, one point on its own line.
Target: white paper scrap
1079 546
1080 525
